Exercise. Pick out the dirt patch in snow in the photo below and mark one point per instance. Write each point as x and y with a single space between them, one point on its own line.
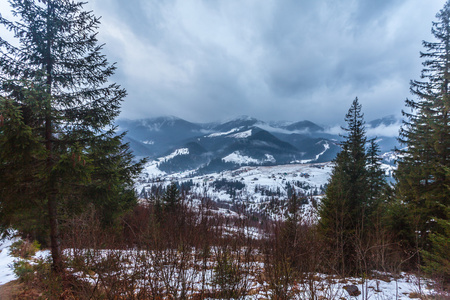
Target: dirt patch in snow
15 290
10 290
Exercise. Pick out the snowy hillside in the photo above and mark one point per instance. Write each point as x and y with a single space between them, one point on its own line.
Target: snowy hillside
222 146
254 186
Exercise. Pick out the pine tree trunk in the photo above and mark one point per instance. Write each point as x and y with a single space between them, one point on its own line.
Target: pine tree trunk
57 266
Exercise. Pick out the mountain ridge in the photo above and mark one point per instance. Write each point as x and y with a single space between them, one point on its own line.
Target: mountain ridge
218 146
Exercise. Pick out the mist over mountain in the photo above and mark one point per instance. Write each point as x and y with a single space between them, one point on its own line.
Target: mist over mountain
178 145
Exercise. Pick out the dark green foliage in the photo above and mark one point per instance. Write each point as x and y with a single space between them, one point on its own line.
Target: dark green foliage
228 275
354 159
24 249
437 261
335 222
111 180
22 163
56 102
352 194
229 186
186 186
171 199
421 177
378 191
375 176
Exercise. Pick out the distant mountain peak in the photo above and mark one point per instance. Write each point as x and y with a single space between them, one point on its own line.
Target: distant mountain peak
168 118
244 138
386 121
241 118
304 126
242 121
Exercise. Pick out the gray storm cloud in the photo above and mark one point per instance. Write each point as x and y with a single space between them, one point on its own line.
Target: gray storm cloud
274 60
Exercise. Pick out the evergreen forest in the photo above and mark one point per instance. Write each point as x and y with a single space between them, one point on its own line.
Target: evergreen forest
67 186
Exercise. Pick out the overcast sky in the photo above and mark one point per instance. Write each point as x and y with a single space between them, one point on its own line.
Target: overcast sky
205 60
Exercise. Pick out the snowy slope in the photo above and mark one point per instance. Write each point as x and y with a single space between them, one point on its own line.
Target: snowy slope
260 182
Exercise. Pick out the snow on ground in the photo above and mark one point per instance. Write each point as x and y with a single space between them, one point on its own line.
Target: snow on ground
386 286
261 185
382 286
326 146
223 133
6 273
238 158
242 135
388 170
270 177
270 158
151 170
182 151
7 260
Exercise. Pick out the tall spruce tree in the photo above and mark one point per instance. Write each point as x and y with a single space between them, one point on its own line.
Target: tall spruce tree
376 181
422 179
437 261
355 164
171 198
58 150
345 208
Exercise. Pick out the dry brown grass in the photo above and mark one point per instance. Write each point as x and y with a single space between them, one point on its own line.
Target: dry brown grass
15 290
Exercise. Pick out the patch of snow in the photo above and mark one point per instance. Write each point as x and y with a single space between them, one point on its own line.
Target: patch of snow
270 158
380 286
7 260
151 170
223 133
237 158
273 178
306 161
181 151
6 273
391 156
150 142
242 135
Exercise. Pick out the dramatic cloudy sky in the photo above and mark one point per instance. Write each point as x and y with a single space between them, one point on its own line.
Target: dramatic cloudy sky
206 60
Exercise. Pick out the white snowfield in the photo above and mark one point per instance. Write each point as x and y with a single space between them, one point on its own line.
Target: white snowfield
6 273
151 169
257 179
242 135
380 286
181 151
237 158
7 260
217 134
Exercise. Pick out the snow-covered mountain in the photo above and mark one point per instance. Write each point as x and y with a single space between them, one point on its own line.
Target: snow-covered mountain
175 145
